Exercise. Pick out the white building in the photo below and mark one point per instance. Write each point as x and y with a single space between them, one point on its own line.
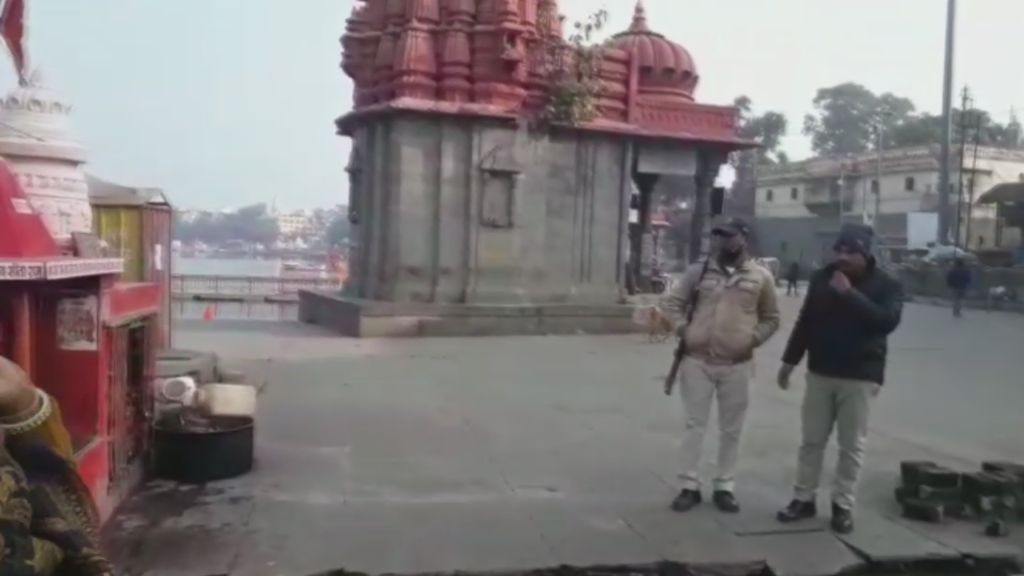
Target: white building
800 205
294 224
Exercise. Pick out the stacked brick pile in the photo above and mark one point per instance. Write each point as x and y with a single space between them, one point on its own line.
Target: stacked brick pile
932 493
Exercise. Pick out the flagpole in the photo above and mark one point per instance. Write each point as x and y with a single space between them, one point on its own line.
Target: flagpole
23 74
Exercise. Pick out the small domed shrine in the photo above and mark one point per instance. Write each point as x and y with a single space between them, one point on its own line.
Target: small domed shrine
469 218
42 152
665 71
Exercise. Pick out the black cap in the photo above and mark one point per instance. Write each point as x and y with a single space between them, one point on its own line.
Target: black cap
856 238
732 227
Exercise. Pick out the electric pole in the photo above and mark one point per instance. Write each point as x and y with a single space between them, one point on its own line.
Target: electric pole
974 177
947 126
966 105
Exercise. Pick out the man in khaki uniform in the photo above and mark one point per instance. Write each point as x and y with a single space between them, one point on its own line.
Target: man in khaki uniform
736 312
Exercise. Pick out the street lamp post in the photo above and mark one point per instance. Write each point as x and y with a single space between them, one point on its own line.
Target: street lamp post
947 126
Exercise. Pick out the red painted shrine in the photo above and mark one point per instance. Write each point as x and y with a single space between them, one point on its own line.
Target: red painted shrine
481 57
85 338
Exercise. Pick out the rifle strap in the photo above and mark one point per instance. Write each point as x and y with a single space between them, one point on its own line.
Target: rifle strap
691 304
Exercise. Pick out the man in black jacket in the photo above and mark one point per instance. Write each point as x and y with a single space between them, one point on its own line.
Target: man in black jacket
850 309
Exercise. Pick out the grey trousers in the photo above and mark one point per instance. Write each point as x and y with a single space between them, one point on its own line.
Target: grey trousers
700 384
833 403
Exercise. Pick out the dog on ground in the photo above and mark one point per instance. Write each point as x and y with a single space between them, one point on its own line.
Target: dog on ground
655 323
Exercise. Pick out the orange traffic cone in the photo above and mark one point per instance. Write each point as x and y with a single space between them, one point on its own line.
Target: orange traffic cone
210 313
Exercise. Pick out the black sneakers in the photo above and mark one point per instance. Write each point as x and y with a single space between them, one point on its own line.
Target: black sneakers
690 499
796 511
726 502
687 500
842 519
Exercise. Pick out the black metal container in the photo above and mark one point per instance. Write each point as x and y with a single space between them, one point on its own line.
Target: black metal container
221 451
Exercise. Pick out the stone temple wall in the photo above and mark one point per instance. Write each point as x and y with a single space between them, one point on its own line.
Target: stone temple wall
450 210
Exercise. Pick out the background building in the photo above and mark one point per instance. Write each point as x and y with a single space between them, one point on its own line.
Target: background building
294 224
800 205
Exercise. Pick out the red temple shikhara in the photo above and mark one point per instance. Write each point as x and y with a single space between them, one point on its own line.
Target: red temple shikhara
470 218
481 57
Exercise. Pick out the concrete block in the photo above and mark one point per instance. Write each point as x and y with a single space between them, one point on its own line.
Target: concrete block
929 494
910 471
997 529
993 484
924 511
939 477
1007 468
904 493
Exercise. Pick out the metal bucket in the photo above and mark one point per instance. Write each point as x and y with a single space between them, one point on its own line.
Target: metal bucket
224 450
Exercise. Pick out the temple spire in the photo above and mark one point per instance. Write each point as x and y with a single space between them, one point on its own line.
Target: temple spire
639 18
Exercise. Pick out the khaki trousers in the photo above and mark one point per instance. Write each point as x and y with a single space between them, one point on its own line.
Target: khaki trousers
700 384
833 403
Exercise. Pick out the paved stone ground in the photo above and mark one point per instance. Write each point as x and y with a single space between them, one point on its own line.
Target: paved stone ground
511 453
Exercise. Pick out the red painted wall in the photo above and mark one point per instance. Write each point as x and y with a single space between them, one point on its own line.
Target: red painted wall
76 379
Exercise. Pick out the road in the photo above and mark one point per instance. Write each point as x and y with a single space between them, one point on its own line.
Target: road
415 456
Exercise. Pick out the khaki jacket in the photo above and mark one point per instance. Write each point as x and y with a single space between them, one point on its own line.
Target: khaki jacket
735 312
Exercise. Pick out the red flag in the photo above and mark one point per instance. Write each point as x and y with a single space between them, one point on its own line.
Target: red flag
12 29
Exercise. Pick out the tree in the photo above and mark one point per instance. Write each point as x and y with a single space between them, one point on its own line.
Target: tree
846 117
766 129
251 224
919 131
571 69
926 129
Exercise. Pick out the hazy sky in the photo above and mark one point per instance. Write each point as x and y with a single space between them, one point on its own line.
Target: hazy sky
228 102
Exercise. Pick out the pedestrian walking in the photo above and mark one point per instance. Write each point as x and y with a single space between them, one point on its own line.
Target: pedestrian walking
792 278
734 311
850 309
959 280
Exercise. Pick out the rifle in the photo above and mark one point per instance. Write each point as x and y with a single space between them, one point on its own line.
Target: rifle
680 353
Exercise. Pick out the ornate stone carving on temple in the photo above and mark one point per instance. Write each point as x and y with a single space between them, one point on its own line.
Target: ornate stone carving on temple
455 53
415 65
483 57
39 146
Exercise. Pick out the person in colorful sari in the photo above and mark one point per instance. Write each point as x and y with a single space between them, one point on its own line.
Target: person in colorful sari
48 522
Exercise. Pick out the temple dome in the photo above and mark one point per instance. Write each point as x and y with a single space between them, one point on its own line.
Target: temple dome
42 152
666 68
35 121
